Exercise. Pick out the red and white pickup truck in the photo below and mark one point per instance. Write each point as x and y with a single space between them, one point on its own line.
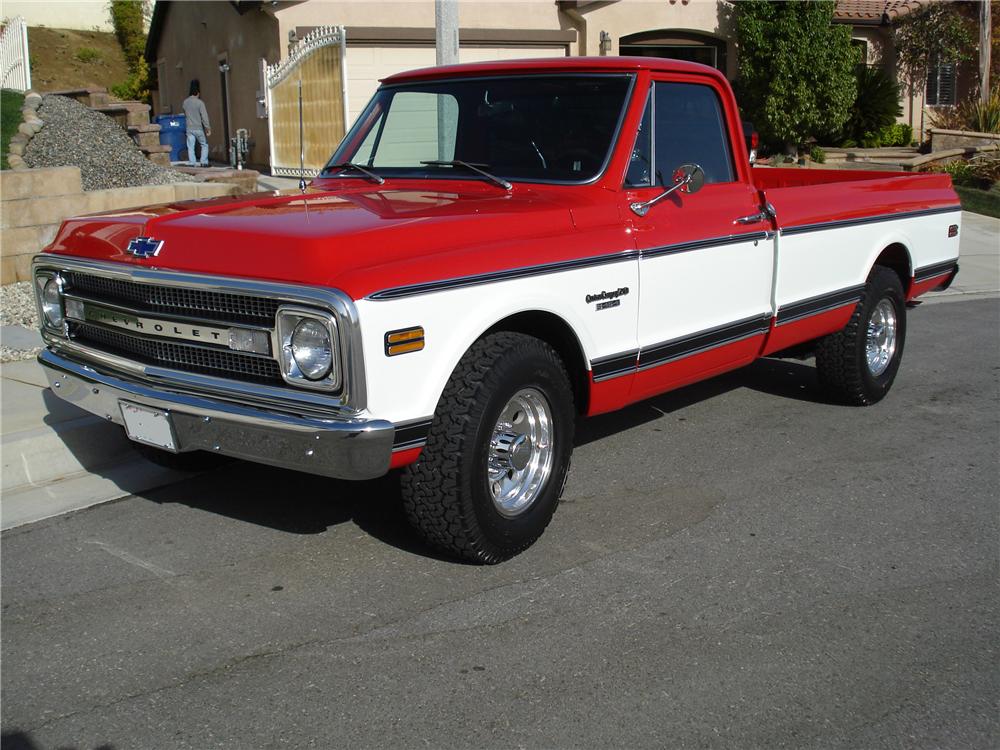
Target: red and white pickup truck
494 251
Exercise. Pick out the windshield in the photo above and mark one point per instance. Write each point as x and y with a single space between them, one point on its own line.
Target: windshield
529 128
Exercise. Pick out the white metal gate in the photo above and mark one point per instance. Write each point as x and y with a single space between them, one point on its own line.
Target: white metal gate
15 69
317 65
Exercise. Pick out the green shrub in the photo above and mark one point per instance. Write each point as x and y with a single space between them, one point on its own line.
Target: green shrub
980 172
818 155
972 114
897 134
127 18
984 117
136 86
876 107
87 54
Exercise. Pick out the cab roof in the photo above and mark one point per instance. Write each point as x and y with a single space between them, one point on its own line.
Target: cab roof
554 65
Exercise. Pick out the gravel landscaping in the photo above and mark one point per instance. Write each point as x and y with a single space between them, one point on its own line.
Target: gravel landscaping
17 308
75 135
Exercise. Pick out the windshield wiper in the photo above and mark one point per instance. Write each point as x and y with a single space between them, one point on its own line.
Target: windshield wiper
478 168
378 179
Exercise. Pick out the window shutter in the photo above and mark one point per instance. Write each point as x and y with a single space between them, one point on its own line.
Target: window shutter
941 85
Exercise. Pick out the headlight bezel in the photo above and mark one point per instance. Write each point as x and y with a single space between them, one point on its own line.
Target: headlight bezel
42 281
288 319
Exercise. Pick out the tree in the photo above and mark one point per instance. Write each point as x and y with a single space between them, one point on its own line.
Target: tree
796 69
128 18
937 33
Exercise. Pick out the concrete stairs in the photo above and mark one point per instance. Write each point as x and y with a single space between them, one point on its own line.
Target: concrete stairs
133 117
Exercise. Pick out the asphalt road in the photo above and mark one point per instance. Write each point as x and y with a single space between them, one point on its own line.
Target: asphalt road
737 564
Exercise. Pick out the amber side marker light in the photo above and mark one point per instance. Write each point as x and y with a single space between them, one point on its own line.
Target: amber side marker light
404 340
953 230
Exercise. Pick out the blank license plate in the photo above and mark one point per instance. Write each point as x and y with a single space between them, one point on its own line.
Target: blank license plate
149 426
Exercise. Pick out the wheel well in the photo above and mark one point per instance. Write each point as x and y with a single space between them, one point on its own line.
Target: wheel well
897 258
557 333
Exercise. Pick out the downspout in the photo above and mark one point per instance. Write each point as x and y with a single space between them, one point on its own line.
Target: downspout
581 27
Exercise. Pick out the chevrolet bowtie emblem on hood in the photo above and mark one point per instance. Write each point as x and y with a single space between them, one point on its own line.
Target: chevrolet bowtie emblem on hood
144 247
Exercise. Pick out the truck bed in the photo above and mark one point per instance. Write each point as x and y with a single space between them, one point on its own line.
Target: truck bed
805 197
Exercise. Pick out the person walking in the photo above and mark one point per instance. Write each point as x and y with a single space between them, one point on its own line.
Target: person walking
198 126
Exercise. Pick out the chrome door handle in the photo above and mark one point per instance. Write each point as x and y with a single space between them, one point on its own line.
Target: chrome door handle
766 212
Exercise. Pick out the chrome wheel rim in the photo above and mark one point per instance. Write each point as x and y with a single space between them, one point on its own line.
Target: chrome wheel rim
520 456
880 343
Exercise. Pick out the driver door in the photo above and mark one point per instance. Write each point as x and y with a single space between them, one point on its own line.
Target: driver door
704 276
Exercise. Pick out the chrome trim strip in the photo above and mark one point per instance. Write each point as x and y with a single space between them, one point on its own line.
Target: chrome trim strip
820 303
937 269
684 247
654 355
353 395
191 383
347 448
840 224
88 299
411 434
621 256
459 282
702 341
605 368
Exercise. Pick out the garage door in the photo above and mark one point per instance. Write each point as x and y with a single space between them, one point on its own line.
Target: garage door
367 65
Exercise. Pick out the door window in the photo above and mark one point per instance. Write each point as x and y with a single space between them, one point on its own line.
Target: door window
689 128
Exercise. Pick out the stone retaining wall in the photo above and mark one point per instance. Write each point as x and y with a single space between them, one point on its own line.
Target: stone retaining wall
33 202
946 140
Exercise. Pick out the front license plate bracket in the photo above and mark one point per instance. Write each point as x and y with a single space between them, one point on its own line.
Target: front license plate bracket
148 426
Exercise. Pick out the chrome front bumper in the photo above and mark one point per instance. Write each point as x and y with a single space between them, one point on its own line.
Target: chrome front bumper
341 448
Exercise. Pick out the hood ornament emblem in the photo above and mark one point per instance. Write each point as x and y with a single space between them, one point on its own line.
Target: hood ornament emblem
144 247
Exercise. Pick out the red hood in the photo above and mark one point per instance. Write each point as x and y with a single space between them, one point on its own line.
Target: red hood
357 237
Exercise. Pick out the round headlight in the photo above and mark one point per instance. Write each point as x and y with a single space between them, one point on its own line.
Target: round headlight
311 349
52 303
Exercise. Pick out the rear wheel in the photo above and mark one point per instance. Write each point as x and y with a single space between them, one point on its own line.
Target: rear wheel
490 477
858 364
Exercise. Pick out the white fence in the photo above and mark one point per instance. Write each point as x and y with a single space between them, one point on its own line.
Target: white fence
15 71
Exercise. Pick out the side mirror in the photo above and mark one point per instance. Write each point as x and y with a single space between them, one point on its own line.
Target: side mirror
688 178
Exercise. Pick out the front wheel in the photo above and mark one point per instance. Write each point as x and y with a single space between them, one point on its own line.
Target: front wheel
489 479
858 364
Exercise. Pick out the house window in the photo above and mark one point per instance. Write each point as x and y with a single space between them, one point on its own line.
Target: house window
941 85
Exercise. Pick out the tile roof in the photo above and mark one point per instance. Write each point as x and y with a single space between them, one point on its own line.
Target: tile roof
874 10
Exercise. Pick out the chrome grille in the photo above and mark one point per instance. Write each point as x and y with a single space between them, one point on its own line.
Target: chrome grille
220 306
191 358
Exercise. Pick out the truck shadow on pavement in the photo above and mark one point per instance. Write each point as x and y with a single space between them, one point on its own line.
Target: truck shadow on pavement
776 377
299 503
22 741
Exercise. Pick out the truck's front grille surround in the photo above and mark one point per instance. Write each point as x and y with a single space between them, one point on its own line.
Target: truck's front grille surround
190 358
200 303
259 300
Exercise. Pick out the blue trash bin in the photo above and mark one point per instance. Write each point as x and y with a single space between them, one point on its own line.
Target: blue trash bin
173 133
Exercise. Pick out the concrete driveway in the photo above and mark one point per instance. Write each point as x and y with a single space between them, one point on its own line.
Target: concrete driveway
737 564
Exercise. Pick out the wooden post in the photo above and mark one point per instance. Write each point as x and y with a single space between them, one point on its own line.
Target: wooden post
985 48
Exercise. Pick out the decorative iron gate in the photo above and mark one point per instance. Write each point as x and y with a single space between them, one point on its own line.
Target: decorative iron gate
15 67
318 65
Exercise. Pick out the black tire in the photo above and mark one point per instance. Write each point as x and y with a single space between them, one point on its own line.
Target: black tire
190 461
841 358
446 493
